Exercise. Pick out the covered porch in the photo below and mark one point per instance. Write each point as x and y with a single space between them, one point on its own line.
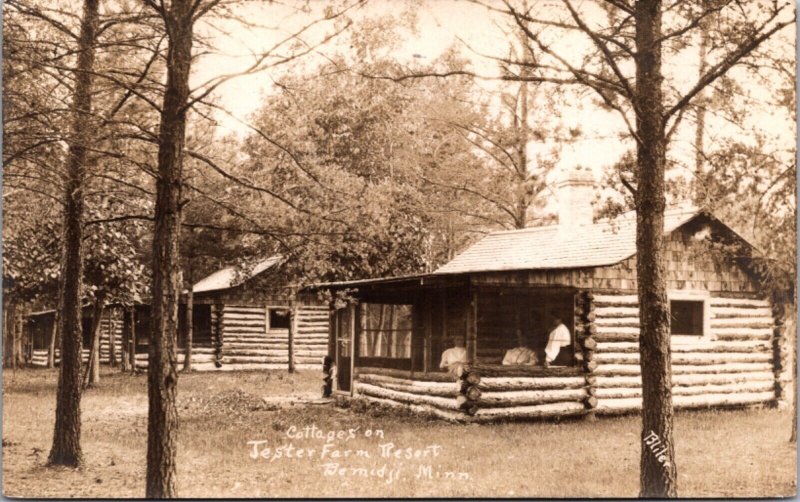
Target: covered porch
387 345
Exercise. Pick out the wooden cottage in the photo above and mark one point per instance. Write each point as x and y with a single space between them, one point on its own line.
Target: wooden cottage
388 343
249 320
40 327
240 321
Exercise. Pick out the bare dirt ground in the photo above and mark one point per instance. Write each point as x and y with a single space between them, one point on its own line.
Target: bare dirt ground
742 453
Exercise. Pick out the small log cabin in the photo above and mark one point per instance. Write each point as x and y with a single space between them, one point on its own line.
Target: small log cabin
40 328
240 321
726 337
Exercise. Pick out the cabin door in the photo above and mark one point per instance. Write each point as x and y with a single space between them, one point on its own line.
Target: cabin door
344 348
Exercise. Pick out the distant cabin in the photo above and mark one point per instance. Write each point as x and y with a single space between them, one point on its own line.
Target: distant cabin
241 320
504 291
39 328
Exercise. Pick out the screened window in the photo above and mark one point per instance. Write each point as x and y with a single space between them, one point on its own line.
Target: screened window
385 331
686 317
278 319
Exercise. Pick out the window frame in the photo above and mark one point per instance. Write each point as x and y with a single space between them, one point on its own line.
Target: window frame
700 296
385 361
268 319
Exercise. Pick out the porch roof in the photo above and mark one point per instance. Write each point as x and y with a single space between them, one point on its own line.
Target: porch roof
403 280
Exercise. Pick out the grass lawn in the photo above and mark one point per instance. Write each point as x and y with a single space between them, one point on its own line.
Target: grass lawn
742 453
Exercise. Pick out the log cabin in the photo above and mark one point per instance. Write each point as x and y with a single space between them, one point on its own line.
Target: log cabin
241 320
505 290
40 327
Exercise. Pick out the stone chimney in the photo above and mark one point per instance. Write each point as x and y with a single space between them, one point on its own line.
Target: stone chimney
575 194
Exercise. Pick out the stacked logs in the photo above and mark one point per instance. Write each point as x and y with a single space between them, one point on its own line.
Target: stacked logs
469 393
585 331
778 352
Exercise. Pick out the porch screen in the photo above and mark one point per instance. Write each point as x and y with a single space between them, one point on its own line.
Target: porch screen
385 331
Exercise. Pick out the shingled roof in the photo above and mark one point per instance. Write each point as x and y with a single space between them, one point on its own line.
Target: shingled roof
604 243
226 278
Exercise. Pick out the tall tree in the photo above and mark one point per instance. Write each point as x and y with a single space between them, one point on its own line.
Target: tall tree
630 79
179 18
66 449
162 423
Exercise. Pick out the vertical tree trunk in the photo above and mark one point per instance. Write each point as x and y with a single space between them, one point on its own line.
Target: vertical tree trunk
792 328
187 357
162 423
8 309
126 337
66 448
18 339
51 352
25 347
522 194
112 340
700 190
132 341
658 471
92 375
292 333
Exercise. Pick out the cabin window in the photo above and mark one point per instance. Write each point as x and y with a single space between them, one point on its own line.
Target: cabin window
278 319
686 317
385 331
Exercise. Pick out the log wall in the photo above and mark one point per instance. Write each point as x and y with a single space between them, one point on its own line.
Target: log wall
733 366
478 394
249 343
244 341
111 321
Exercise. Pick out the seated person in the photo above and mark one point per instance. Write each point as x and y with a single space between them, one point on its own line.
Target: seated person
454 357
521 355
559 337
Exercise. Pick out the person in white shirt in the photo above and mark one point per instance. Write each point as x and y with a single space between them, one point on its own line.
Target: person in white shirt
521 355
455 356
559 337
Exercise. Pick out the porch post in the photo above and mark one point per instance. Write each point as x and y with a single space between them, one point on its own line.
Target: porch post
354 311
427 321
332 329
472 328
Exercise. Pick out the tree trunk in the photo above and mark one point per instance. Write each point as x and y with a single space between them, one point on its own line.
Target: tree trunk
126 337
700 191
51 352
292 334
793 330
92 375
132 341
522 195
187 357
112 341
8 313
17 338
162 424
658 471
66 448
25 345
